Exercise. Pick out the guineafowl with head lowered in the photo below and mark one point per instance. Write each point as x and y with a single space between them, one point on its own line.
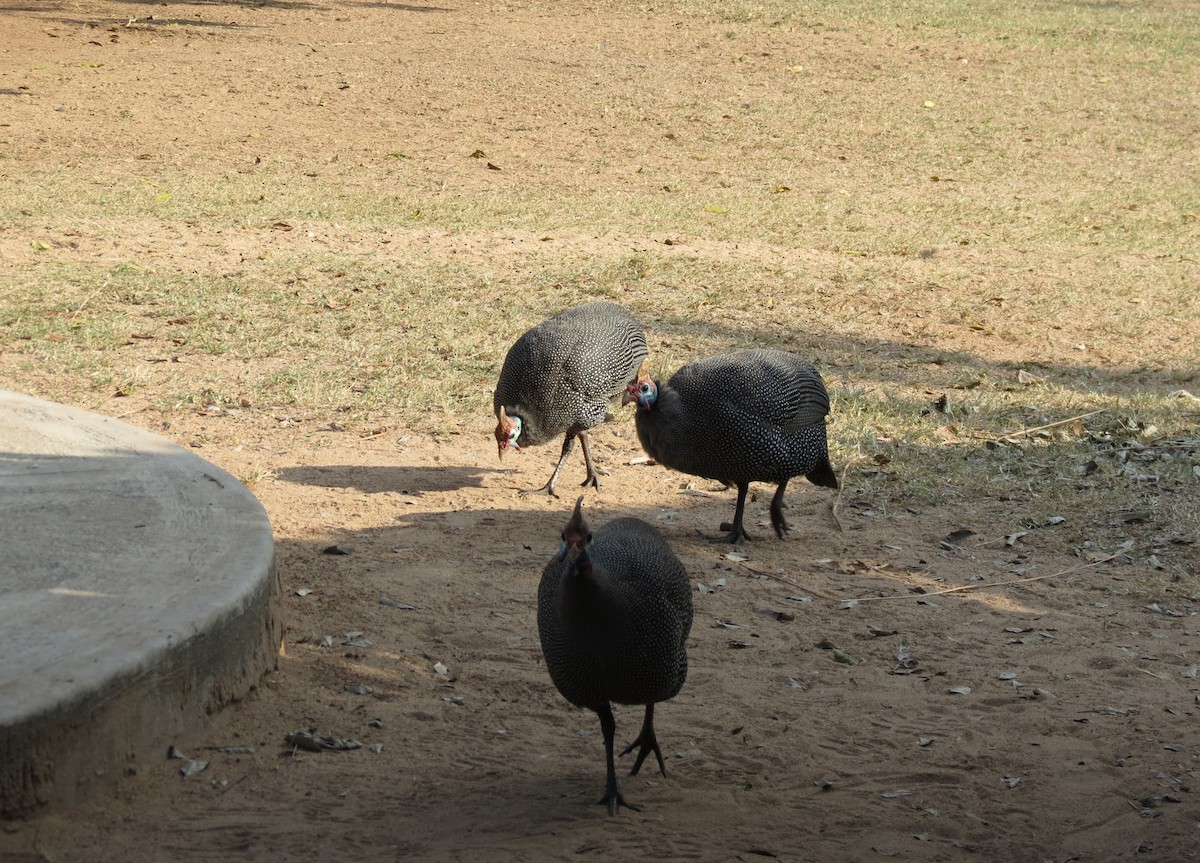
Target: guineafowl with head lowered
614 613
560 377
748 416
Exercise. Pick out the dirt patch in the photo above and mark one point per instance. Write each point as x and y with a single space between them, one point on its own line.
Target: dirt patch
1075 736
1053 718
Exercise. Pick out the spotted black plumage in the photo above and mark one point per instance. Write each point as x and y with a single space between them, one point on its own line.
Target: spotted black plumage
614 613
560 377
748 416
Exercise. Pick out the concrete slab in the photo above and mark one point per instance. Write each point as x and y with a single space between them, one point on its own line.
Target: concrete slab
138 596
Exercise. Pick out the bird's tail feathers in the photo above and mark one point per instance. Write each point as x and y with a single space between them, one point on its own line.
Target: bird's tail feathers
823 474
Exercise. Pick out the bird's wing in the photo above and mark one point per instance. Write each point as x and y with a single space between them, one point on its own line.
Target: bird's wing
784 392
801 400
599 368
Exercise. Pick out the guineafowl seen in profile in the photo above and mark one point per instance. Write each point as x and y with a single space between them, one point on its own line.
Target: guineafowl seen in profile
614 613
748 416
560 377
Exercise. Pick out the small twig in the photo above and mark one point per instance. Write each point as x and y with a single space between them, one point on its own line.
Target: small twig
88 299
987 542
1018 533
1191 444
1028 432
838 499
982 586
786 580
234 782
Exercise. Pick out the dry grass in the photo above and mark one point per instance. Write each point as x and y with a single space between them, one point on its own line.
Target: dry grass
928 198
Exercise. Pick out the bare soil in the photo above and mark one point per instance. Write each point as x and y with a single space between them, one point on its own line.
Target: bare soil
1051 719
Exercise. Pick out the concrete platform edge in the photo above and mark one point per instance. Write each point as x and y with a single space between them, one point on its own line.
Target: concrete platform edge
81 749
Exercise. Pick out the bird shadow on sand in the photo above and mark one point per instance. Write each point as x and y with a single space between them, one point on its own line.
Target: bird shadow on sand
400 479
501 818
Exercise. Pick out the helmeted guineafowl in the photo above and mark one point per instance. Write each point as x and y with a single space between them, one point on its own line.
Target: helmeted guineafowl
614 613
752 415
560 377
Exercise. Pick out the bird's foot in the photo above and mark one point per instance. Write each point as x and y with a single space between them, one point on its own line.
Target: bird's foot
603 471
613 800
547 489
593 480
779 523
645 747
734 533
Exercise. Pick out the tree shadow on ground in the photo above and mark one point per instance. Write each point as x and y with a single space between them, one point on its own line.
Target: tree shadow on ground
287 5
401 7
900 362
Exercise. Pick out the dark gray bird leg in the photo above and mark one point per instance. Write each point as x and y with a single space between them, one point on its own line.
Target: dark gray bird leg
612 793
648 743
593 476
777 520
736 532
548 488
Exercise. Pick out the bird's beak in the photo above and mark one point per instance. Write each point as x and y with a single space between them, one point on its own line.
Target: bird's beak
504 444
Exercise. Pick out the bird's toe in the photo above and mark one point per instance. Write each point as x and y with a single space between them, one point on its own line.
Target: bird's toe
732 534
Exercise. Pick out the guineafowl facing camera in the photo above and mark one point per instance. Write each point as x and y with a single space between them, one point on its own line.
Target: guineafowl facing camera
614 613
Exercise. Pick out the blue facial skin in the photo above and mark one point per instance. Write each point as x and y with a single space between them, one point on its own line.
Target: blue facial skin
647 394
576 555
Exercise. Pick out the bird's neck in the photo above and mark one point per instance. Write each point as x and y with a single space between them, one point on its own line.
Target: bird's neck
583 591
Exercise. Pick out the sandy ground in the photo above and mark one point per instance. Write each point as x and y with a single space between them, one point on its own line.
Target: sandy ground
1076 739
1054 719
